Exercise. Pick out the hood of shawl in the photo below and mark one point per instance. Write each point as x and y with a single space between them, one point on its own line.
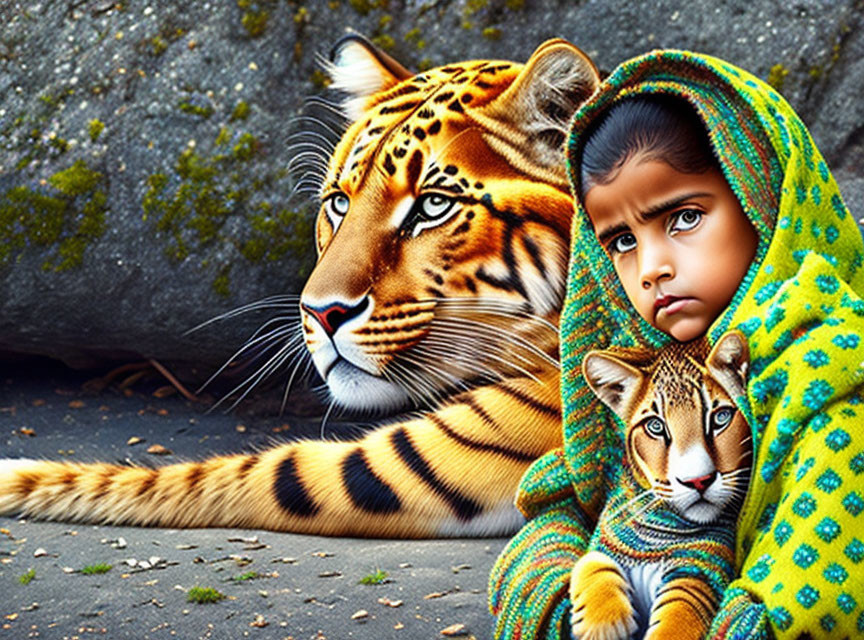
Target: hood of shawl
771 164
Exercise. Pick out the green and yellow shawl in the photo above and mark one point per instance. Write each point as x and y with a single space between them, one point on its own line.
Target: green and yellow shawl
800 538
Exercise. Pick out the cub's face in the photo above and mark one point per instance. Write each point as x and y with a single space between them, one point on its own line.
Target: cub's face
686 439
443 226
691 444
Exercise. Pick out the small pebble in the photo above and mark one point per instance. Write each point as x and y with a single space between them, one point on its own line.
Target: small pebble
39 553
360 615
458 629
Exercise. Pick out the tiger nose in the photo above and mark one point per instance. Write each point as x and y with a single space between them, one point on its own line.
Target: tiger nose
333 316
700 483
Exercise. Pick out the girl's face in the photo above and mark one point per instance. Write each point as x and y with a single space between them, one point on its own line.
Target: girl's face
680 242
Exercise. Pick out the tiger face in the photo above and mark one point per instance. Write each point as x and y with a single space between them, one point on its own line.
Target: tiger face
686 439
443 228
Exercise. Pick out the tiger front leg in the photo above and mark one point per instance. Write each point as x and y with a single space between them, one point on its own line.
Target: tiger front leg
682 610
600 596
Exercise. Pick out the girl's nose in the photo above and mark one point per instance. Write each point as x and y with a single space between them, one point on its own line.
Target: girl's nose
655 265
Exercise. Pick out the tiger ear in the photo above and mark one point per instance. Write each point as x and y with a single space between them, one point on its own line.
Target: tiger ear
360 69
557 78
613 381
728 363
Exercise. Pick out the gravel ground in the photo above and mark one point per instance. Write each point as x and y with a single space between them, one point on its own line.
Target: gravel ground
276 585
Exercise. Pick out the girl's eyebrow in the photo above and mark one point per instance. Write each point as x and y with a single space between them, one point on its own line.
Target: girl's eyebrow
658 209
607 234
649 214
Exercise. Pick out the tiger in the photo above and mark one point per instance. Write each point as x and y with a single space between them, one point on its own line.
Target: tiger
663 552
442 239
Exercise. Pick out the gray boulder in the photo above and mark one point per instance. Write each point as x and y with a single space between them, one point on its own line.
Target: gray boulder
144 183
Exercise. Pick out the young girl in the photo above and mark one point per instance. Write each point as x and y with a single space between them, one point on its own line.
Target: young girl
726 218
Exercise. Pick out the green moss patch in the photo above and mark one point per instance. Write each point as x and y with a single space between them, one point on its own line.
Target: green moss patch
96 569
68 214
204 595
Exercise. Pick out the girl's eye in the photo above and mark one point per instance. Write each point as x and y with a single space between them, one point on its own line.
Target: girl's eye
686 220
655 427
722 418
434 206
623 243
337 205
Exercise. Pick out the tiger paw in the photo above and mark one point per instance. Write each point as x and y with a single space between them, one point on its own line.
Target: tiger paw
599 594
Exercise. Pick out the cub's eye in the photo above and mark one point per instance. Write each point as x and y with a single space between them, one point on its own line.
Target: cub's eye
655 427
434 206
721 418
623 243
430 210
337 205
685 220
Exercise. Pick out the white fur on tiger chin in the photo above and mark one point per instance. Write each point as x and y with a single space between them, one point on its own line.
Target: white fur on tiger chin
354 389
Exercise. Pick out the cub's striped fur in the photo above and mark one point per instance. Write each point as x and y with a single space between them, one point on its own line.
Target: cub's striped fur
661 558
442 238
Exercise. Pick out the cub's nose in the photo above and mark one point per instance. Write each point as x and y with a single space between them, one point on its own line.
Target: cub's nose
333 316
700 483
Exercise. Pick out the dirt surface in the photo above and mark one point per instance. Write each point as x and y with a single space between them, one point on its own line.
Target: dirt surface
276 585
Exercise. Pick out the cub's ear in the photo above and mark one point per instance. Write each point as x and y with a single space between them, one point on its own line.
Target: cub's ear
728 363
613 381
359 68
557 78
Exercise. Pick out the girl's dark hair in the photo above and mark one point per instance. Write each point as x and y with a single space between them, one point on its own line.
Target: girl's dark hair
657 127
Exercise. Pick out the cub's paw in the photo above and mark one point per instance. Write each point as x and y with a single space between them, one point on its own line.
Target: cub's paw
600 596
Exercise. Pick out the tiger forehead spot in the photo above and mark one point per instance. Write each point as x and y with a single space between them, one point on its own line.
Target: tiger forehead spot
418 109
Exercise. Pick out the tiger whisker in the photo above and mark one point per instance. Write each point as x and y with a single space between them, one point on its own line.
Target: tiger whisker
447 380
271 336
327 416
629 502
502 333
434 352
262 372
320 123
271 302
304 356
414 385
491 306
488 354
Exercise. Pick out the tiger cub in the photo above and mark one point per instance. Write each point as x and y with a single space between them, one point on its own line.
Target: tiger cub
663 550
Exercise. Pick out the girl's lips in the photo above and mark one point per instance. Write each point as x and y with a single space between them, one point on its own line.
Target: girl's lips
670 304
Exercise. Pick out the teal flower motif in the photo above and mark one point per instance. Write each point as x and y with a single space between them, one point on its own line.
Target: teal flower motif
805 556
838 206
782 532
848 341
816 358
827 529
829 481
838 440
831 234
767 292
804 506
827 284
846 603
816 194
775 317
807 596
817 394
855 550
853 503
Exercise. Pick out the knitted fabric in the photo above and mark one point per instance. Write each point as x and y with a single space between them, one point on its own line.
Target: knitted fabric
798 553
